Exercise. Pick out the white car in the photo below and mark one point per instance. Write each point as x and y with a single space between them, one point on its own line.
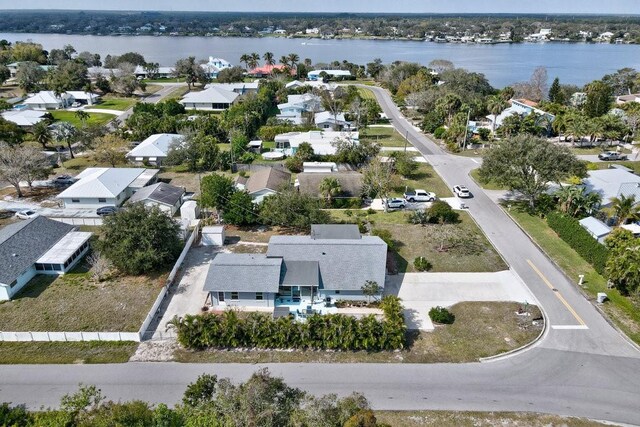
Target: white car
395 203
27 214
461 191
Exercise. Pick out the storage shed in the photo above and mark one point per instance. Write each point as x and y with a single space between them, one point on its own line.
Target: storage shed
213 235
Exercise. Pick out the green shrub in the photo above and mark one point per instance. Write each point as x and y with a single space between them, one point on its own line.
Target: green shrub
346 203
422 264
441 212
570 230
439 132
441 315
386 236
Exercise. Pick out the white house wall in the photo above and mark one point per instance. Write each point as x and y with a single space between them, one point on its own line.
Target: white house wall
91 202
6 293
245 299
259 196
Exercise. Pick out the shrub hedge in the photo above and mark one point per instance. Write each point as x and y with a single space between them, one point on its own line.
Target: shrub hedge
570 230
441 315
260 330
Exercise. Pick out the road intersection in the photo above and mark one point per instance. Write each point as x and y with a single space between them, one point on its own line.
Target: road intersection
582 366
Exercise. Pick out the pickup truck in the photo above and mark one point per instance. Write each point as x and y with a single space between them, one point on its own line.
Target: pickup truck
419 196
612 155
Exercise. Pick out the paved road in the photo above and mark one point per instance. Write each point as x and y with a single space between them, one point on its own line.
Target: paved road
582 367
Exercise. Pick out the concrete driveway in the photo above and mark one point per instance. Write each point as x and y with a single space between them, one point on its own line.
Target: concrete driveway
422 291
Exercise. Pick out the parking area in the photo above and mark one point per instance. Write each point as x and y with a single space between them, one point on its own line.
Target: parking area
422 291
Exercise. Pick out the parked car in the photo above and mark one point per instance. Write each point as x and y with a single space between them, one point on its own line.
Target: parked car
461 191
395 203
62 180
27 214
106 210
419 196
612 155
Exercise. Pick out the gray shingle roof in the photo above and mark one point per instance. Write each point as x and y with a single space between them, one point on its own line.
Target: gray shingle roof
345 264
161 193
269 178
243 273
350 183
300 273
22 243
335 231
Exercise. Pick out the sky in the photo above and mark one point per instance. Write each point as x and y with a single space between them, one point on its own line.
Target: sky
373 6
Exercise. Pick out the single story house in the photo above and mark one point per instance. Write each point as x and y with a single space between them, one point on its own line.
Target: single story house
296 84
598 229
331 263
160 73
13 68
98 187
241 88
155 148
333 74
523 107
612 182
168 198
267 70
212 99
319 167
24 118
37 246
322 142
263 183
327 121
85 98
634 97
350 183
48 100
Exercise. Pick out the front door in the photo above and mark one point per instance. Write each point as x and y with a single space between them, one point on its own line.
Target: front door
220 297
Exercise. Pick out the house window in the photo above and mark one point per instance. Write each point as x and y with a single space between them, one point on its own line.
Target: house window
259 296
220 296
102 200
337 292
75 200
234 295
14 283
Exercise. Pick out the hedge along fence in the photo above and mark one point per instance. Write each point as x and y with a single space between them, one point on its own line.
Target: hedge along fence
570 230
260 330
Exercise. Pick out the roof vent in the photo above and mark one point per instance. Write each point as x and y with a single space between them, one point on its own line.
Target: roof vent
14 255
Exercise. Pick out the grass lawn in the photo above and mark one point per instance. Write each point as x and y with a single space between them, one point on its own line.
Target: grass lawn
189 180
66 352
478 419
475 174
481 329
78 164
74 302
70 116
165 80
424 178
177 93
365 93
595 150
635 166
116 103
622 310
385 136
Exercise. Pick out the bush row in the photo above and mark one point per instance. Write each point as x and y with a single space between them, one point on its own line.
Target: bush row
259 330
570 230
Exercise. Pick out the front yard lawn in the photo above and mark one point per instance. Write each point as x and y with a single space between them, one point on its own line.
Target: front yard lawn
478 419
625 312
424 178
481 329
385 136
116 103
66 352
70 116
74 302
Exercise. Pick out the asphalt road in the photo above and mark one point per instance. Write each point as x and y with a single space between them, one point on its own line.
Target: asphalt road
581 367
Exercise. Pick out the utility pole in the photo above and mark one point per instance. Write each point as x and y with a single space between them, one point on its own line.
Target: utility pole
406 140
466 127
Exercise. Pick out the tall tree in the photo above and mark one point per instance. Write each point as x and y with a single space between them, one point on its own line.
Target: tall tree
21 163
215 191
528 164
377 179
329 188
496 105
556 94
624 208
268 58
29 75
42 134
66 133
599 98
253 60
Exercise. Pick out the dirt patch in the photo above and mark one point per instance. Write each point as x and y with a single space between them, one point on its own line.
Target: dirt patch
155 351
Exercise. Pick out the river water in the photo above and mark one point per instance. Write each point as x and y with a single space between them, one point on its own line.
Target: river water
503 64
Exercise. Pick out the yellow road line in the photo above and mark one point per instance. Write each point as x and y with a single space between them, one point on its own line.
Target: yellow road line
556 292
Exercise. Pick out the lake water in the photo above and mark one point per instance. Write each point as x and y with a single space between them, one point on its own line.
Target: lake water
503 64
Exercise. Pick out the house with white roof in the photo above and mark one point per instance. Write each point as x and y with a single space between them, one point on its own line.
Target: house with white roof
522 107
296 84
24 118
48 100
333 74
160 73
82 97
596 228
241 88
155 148
296 105
322 142
328 121
612 182
214 66
211 99
98 187
37 246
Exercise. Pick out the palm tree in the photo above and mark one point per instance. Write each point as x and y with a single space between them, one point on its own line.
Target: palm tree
330 187
65 132
83 116
245 58
253 60
294 58
577 201
495 104
268 58
624 208
42 134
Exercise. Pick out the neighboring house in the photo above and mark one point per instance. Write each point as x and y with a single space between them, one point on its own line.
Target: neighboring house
333 74
543 35
612 183
296 84
161 73
296 105
327 121
319 167
85 98
241 88
98 187
24 118
523 107
168 198
213 67
13 68
350 183
211 99
267 70
37 246
330 264
263 183
322 142
48 100
598 229
635 97
155 148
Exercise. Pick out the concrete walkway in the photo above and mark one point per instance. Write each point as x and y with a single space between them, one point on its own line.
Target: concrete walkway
422 291
103 110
